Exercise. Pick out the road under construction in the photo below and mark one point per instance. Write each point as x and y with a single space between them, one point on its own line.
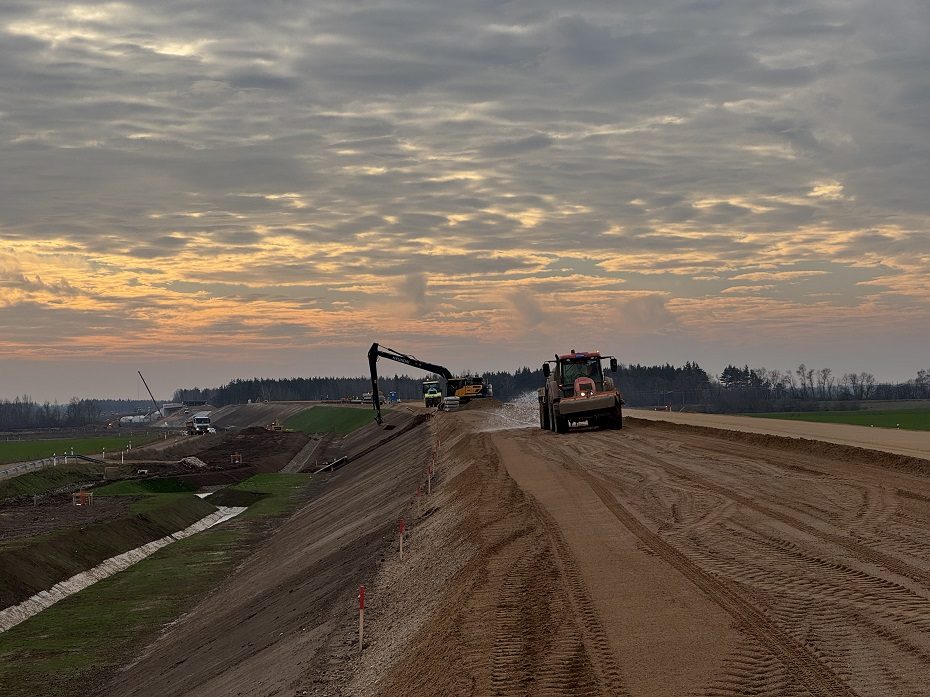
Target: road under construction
660 559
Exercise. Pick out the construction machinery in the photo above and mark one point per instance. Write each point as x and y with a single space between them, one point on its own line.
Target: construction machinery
432 395
464 388
577 390
157 408
199 424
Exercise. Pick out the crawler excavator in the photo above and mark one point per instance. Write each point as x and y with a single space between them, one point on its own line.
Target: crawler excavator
462 388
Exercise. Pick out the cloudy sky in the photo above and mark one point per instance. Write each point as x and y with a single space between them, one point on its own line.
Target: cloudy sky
206 190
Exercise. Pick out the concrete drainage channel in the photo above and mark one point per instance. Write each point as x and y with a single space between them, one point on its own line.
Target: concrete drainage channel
12 616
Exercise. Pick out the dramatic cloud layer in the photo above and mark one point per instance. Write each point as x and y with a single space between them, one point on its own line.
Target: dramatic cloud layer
232 188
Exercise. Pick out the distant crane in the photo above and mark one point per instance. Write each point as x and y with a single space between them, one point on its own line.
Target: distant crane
157 408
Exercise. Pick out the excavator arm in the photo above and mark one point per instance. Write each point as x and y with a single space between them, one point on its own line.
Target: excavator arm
377 351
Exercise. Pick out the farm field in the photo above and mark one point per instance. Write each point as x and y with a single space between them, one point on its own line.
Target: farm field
23 450
910 419
325 419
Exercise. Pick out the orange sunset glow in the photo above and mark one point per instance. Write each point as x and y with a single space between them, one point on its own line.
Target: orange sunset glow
239 190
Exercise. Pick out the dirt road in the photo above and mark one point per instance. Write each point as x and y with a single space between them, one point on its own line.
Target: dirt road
659 562
652 561
912 443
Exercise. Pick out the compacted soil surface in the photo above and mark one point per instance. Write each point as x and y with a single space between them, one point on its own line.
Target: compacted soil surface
56 512
656 560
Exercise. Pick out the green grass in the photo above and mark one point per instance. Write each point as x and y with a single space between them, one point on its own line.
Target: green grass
97 629
40 481
37 449
910 419
325 419
145 487
279 488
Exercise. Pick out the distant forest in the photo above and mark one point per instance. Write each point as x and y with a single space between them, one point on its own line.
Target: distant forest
23 413
687 387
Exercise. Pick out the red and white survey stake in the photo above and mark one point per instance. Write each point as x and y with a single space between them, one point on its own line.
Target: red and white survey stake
361 616
401 528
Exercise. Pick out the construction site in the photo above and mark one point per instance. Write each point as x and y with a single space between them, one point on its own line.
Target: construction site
556 545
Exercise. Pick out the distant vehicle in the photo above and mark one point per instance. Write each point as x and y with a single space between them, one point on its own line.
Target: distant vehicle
432 397
200 424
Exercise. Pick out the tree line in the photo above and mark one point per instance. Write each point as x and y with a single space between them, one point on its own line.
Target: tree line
24 413
689 386
806 388
506 385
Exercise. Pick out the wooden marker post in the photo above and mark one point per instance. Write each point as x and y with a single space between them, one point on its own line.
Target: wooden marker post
401 528
429 480
361 617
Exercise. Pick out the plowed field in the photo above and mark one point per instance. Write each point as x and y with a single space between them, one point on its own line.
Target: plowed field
654 560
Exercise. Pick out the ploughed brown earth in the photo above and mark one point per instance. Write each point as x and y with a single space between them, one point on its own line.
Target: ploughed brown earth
656 560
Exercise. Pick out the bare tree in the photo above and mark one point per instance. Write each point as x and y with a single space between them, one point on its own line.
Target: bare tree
866 384
801 372
825 382
923 382
851 385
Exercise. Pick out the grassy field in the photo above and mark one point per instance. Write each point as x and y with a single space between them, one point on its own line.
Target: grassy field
911 419
324 419
40 481
92 632
24 450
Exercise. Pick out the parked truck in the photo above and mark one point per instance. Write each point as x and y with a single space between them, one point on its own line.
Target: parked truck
577 390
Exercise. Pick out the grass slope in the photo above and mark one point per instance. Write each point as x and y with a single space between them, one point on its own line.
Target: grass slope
25 450
40 481
32 564
145 487
911 419
83 639
324 419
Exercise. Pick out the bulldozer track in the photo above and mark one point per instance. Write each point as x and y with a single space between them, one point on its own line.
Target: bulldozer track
594 637
859 550
801 662
547 637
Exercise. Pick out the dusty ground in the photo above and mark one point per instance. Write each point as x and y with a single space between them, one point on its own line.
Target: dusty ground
650 561
912 443
56 512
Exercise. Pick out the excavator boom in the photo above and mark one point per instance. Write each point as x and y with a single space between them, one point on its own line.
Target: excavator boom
377 351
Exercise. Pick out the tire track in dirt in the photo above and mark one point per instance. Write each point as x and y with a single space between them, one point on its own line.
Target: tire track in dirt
516 619
594 637
818 678
857 549
548 639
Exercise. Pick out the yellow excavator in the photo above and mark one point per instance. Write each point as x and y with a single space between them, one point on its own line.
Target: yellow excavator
461 388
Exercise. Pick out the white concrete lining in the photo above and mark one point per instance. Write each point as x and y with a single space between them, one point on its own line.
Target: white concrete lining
12 616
